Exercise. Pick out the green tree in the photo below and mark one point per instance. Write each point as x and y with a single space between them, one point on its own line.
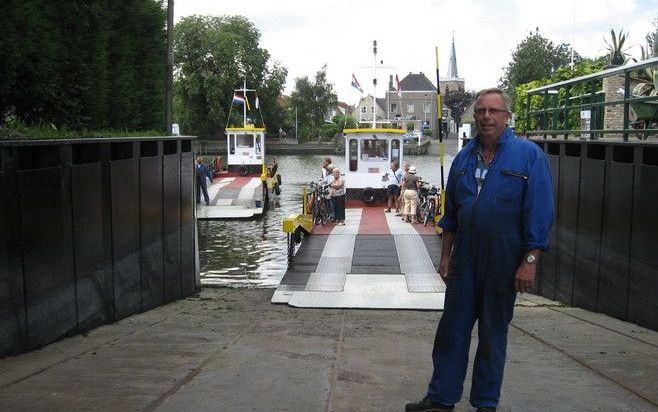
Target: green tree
83 63
535 58
457 101
213 56
313 99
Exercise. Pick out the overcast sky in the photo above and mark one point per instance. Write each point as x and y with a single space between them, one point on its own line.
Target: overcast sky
304 35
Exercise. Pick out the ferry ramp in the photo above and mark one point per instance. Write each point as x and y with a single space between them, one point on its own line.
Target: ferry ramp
374 261
233 197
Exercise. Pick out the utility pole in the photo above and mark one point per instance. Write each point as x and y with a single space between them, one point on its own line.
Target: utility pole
439 113
169 70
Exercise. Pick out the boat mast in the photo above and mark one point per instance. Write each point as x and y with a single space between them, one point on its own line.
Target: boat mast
244 105
374 86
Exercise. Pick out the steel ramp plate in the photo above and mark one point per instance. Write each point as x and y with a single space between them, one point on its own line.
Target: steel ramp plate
248 191
425 283
398 227
283 293
412 254
370 292
338 250
352 222
326 282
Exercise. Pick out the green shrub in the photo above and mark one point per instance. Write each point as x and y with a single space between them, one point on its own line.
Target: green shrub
329 130
526 123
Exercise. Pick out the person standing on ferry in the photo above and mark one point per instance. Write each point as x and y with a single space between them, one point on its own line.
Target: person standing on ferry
338 196
401 197
410 185
394 179
202 172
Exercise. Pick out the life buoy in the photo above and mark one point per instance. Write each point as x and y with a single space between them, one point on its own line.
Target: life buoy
243 170
368 195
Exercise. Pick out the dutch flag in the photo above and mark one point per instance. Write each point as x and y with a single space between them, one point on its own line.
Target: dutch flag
238 99
355 83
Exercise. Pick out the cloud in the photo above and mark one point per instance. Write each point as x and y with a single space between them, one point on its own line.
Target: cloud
304 36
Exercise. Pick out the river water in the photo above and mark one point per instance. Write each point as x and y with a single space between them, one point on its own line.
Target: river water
252 253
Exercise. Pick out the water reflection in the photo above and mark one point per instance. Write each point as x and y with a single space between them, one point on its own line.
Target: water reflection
252 253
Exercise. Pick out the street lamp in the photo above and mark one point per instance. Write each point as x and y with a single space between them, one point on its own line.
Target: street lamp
296 137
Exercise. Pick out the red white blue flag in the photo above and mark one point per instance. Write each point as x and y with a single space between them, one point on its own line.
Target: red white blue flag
238 98
355 83
397 86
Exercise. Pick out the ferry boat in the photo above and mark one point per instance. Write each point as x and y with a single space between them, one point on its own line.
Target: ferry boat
368 155
375 260
241 190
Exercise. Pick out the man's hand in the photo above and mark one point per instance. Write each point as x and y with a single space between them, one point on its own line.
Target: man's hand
444 264
443 267
525 276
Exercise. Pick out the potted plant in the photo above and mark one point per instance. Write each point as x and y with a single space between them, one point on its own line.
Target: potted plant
616 51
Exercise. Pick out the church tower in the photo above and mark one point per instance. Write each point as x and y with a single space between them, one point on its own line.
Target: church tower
452 82
452 67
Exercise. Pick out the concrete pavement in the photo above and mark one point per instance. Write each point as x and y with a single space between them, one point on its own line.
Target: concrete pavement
231 350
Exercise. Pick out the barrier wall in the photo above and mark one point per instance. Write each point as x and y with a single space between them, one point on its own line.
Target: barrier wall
602 255
92 231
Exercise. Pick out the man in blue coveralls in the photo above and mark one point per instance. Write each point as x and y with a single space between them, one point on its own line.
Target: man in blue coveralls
498 214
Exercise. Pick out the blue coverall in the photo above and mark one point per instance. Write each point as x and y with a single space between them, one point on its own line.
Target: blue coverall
512 214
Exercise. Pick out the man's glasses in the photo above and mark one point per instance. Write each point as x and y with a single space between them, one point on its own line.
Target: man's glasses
482 111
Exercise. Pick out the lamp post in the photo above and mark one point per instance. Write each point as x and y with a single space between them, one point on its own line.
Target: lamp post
169 69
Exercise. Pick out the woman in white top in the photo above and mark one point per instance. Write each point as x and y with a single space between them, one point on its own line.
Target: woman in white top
338 196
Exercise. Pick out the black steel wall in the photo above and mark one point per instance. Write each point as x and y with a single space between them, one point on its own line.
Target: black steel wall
603 242
91 231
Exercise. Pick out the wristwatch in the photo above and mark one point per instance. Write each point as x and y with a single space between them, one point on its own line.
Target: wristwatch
530 259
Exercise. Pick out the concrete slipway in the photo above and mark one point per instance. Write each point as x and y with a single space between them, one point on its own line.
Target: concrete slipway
232 350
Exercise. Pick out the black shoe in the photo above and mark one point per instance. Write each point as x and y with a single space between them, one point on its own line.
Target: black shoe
486 409
427 405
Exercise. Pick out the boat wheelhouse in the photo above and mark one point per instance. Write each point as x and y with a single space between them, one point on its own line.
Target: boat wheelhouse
246 149
368 155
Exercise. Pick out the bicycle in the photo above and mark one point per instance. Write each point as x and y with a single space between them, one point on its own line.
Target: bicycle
427 200
320 196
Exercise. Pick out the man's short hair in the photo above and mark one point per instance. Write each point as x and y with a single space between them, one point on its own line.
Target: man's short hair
328 160
501 92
